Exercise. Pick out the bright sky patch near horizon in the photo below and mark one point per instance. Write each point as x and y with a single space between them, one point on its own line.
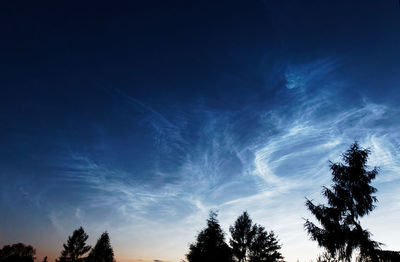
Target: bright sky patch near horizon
138 118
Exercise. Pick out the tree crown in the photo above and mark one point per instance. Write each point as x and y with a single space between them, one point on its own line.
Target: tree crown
349 199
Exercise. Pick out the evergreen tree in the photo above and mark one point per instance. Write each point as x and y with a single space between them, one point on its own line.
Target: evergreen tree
75 248
242 234
349 199
102 251
210 245
264 246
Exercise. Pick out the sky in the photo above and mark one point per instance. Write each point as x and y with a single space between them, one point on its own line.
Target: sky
139 117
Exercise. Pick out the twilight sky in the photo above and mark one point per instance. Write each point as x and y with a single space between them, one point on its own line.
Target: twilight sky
138 117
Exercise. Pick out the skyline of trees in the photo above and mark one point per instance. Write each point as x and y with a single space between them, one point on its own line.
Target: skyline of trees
76 249
339 232
73 251
248 243
17 253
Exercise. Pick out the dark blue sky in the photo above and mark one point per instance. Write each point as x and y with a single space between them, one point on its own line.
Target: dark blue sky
137 114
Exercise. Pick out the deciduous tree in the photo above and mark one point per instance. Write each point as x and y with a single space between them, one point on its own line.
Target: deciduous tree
264 246
253 243
76 247
242 234
17 253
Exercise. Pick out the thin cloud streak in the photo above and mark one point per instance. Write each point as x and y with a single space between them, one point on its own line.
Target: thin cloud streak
291 163
260 158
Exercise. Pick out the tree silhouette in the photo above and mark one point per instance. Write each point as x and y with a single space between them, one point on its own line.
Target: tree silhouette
75 248
210 245
17 253
242 234
386 256
349 199
102 251
326 257
45 259
252 242
264 247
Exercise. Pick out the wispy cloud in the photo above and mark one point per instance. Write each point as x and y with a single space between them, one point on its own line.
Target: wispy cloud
256 158
303 75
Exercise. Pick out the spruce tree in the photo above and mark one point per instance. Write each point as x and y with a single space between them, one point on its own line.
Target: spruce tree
210 245
102 251
350 198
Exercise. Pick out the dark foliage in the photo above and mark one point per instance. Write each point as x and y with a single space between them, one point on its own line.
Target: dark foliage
383 256
388 255
326 257
264 247
102 251
242 234
349 199
252 242
210 245
17 253
75 248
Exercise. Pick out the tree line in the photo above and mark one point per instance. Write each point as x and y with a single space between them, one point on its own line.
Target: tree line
339 231
248 243
75 250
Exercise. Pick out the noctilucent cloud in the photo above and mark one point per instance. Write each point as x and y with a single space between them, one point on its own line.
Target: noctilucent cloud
139 117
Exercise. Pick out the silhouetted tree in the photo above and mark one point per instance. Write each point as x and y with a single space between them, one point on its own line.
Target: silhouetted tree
45 259
17 253
388 255
264 246
383 256
102 251
242 234
210 245
349 199
326 257
252 242
75 248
